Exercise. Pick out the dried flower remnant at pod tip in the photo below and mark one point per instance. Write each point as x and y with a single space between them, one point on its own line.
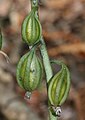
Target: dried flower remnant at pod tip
27 95
56 111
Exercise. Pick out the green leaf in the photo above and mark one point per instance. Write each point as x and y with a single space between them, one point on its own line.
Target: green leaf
0 40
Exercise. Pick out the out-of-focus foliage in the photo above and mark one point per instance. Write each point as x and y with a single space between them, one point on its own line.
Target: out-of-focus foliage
0 40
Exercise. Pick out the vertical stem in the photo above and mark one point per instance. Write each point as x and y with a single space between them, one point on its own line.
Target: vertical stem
51 117
48 71
46 61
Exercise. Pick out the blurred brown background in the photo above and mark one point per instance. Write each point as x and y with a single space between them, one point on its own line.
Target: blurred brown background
63 23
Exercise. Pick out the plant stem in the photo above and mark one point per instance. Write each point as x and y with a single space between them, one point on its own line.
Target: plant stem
46 61
51 117
48 71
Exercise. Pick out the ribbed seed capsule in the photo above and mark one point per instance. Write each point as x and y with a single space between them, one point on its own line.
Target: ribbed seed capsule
29 71
31 28
59 86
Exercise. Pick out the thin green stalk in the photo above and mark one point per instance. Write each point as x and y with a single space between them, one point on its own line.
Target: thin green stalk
46 61
51 117
48 71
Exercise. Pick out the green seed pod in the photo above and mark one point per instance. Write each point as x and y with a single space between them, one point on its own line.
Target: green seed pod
59 85
29 71
0 40
31 28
